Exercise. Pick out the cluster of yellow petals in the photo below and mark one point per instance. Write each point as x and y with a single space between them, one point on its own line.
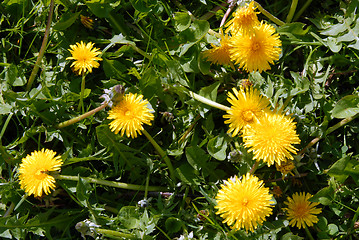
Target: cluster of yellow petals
84 56
129 115
34 172
244 203
271 138
249 43
300 211
247 105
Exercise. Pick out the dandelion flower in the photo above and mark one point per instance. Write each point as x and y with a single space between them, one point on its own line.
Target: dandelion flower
129 115
271 138
34 172
285 167
300 211
220 54
245 19
244 203
247 105
255 51
86 21
85 57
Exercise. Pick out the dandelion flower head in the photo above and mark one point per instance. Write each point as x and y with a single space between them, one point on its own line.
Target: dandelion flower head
86 21
244 203
286 167
84 56
247 105
220 54
34 172
300 211
129 115
255 51
245 18
271 138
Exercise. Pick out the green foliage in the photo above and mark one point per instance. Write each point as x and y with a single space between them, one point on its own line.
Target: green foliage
154 48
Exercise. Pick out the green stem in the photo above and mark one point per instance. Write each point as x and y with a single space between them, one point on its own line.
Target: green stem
79 118
291 12
9 210
115 233
147 183
112 183
42 49
300 12
140 51
254 167
308 233
5 125
208 102
268 15
329 130
161 153
81 104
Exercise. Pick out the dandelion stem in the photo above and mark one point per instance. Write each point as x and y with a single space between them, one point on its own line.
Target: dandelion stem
268 15
79 118
112 183
115 233
212 12
42 49
231 6
308 233
299 13
254 167
208 102
329 130
162 154
291 12
9 210
81 104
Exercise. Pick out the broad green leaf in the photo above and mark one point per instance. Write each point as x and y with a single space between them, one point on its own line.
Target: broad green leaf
101 10
129 217
324 196
291 236
182 21
210 92
217 147
346 107
114 68
344 167
197 157
173 224
333 44
66 20
333 229
5 108
335 29
186 174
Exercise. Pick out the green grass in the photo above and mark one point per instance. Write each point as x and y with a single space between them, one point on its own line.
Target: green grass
154 48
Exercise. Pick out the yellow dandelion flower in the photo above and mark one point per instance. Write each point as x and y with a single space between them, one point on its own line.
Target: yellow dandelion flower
300 211
220 54
255 51
129 115
245 19
247 105
244 203
271 138
86 21
285 167
34 172
85 57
